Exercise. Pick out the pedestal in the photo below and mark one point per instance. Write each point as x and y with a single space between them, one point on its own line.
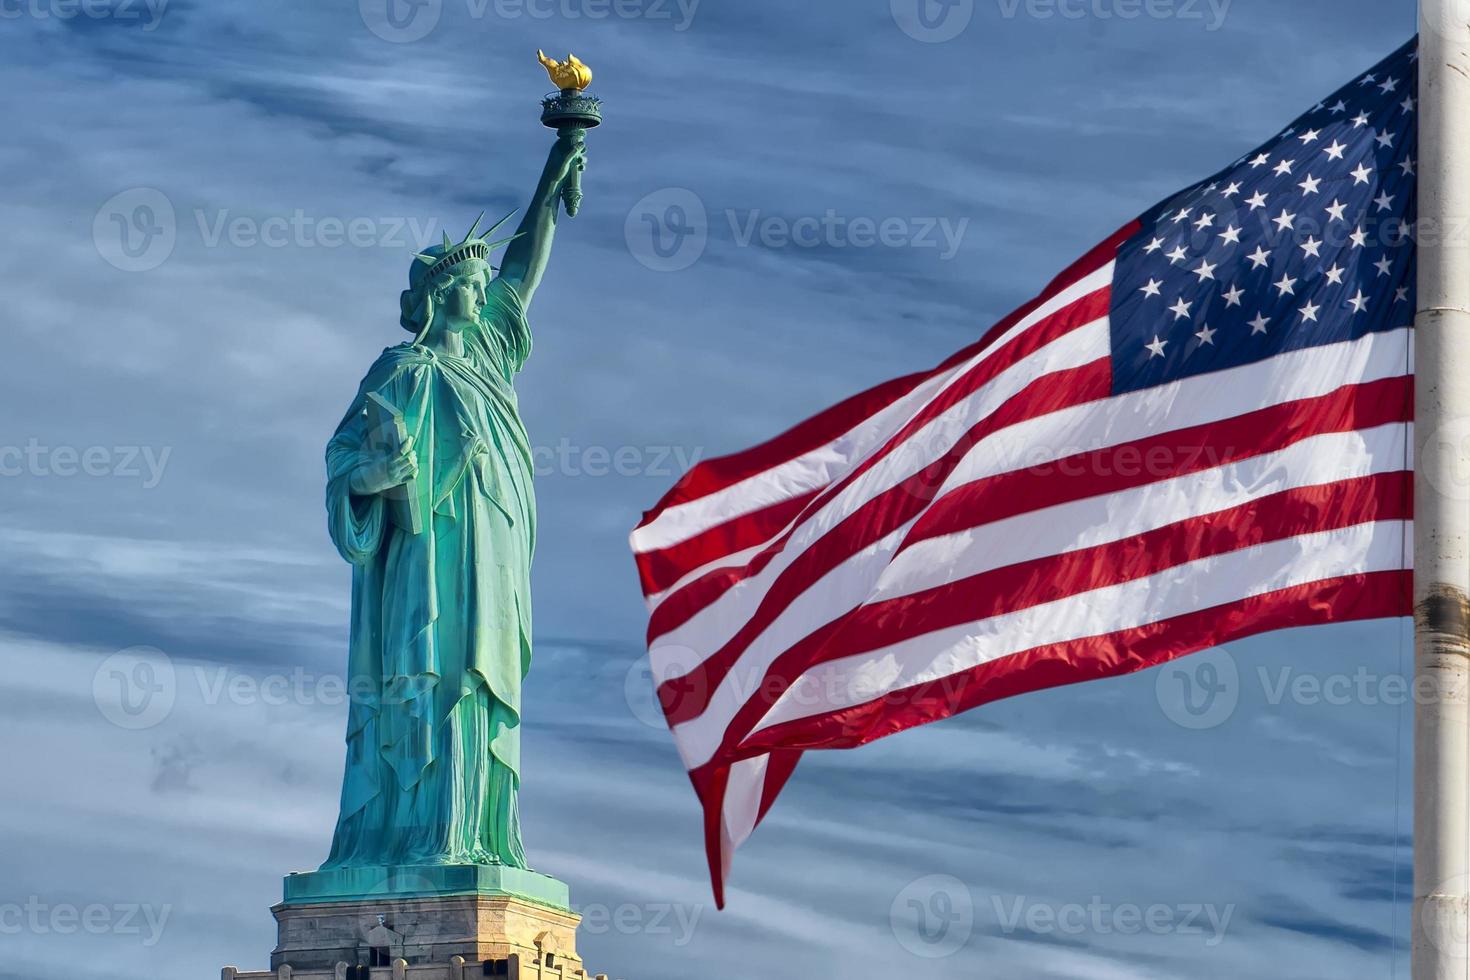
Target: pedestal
423 923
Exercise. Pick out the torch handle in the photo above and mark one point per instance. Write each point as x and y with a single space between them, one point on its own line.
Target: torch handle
571 188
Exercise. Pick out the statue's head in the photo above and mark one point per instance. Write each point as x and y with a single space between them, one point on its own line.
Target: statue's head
448 281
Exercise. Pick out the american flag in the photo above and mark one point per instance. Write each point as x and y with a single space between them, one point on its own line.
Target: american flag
1198 432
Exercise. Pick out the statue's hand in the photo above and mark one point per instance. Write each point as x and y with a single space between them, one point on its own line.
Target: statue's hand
567 155
384 471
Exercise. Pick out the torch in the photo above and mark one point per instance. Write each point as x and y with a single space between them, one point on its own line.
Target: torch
571 112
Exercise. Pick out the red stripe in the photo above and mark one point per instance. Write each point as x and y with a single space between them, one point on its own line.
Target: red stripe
1085 311
1303 510
716 474
1022 491
710 786
1373 595
661 569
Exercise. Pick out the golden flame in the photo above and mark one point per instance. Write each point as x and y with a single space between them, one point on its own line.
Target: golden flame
571 73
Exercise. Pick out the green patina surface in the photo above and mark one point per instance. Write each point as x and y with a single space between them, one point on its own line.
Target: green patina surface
441 607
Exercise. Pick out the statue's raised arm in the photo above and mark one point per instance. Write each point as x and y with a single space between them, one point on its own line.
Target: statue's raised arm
526 256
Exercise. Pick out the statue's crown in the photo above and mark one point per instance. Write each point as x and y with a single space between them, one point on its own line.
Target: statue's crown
444 257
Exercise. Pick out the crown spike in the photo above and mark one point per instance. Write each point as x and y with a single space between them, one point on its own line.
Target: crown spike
425 258
470 235
447 243
496 227
505 241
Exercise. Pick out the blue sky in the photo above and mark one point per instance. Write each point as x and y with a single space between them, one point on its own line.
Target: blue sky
209 212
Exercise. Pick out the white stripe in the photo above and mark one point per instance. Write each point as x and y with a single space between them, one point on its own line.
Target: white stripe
1213 397
1202 584
1054 530
1080 524
731 609
828 463
742 802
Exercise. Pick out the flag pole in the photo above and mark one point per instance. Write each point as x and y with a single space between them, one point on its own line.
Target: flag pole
1441 914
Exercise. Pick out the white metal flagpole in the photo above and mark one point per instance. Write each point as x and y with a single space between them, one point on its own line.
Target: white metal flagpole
1441 916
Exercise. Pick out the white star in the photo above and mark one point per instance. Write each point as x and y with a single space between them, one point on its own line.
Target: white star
1286 285
1312 247
1340 107
1368 79
1157 347
1231 235
1261 160
1384 201
1180 309
1407 166
1152 289
1310 136
1178 255
1309 312
1360 121
1361 175
1284 167
1359 303
1232 297
1359 238
1334 274
1259 324
1154 246
1401 295
1259 201
1284 220
1207 335
1310 185
1336 210
1184 213
1384 139
1231 190
1408 104
1205 220
1392 85
1335 151
1384 266
1258 260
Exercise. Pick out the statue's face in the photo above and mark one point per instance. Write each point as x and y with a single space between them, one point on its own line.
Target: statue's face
465 300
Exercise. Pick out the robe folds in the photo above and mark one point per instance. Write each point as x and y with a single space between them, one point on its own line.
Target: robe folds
441 620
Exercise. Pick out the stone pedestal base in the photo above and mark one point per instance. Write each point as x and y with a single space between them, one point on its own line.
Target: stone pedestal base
421 931
402 924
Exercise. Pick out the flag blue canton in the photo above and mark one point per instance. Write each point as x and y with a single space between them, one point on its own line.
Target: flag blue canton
1303 242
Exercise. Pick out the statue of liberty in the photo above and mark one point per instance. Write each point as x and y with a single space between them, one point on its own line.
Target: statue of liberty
438 519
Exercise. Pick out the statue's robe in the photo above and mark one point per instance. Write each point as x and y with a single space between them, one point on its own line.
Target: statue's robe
441 620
